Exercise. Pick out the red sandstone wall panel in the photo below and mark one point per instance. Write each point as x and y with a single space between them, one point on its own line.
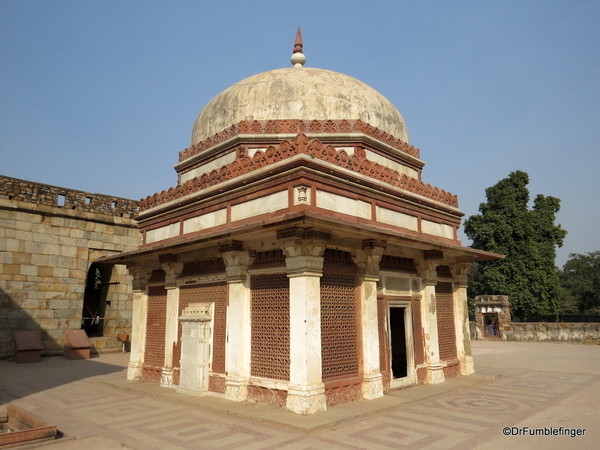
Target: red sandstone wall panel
340 344
418 333
445 320
270 326
154 355
384 356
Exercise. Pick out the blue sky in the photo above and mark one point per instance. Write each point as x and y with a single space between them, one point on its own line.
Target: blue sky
101 96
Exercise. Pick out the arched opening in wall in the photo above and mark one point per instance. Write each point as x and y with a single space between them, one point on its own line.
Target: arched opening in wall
94 301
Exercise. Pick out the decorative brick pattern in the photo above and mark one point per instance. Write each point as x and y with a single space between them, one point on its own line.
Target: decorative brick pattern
270 326
418 333
154 354
340 349
445 320
301 145
384 357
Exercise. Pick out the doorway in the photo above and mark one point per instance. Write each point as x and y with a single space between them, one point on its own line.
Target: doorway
398 343
401 344
94 302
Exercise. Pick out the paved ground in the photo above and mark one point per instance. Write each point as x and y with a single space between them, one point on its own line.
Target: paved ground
542 385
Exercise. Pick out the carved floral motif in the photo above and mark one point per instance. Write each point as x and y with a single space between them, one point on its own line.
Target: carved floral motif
299 126
301 145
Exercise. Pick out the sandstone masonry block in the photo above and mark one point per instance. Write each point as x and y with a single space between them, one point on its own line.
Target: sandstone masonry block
21 258
49 324
29 270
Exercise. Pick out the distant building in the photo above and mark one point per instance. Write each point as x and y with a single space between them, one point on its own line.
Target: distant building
300 261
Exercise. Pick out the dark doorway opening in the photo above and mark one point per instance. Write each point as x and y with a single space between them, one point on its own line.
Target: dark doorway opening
398 343
94 303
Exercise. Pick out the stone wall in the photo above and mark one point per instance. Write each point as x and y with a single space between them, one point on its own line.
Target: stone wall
49 237
575 333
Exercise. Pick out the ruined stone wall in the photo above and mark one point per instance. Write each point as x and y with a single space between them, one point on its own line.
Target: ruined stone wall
574 333
49 236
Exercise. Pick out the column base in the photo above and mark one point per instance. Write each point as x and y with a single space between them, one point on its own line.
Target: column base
372 387
467 367
134 371
236 389
435 374
166 378
306 399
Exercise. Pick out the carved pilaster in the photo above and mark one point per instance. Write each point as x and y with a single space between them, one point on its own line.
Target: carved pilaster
237 346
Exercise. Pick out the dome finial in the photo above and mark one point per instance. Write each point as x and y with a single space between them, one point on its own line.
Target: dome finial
298 58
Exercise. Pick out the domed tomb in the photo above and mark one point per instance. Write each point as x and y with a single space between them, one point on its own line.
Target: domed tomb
299 93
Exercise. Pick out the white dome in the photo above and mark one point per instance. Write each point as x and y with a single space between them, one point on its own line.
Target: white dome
299 93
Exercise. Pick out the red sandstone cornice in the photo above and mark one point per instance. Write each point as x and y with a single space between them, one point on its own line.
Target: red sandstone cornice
301 145
299 126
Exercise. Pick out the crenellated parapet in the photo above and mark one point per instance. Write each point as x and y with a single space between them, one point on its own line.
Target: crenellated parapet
55 196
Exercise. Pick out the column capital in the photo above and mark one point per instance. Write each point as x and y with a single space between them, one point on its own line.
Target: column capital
367 260
237 262
460 272
172 267
303 249
428 272
140 276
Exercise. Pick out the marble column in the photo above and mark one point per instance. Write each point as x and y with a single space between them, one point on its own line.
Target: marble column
435 371
367 261
172 269
140 276
237 347
306 391
460 271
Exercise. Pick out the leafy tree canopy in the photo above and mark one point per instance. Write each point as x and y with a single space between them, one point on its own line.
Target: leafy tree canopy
528 239
580 277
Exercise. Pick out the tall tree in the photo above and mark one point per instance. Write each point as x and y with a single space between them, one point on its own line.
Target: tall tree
580 277
528 239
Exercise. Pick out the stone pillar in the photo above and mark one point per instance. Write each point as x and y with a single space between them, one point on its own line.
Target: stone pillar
140 276
237 347
367 261
435 372
172 269
306 391
460 271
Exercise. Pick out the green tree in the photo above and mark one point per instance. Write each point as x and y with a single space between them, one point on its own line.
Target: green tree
580 278
528 239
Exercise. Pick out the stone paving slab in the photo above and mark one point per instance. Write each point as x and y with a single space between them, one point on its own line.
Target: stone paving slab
279 416
543 385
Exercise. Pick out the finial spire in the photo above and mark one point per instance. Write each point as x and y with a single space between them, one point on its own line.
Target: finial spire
298 58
